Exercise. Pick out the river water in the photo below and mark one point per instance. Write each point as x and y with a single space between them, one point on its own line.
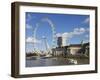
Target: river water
38 62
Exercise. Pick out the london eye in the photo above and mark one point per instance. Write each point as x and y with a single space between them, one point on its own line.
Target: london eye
53 41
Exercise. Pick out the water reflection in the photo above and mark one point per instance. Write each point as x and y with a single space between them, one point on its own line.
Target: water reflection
42 61
73 61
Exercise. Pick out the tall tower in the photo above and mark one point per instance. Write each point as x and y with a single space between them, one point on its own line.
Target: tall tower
64 41
59 41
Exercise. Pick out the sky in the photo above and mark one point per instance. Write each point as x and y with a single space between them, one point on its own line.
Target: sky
73 28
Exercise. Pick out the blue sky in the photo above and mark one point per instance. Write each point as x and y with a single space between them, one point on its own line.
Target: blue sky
73 27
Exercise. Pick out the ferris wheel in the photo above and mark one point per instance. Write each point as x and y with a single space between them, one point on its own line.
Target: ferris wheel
49 21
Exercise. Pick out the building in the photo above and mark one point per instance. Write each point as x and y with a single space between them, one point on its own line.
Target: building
59 51
59 41
73 49
62 41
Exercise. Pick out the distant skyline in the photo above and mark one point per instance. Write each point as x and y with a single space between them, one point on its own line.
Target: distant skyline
74 28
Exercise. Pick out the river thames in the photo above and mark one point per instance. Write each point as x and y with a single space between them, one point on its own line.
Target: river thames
55 61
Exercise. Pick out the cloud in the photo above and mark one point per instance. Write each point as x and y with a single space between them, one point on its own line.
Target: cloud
75 32
87 36
58 35
30 17
28 26
86 20
78 31
32 40
67 35
86 41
